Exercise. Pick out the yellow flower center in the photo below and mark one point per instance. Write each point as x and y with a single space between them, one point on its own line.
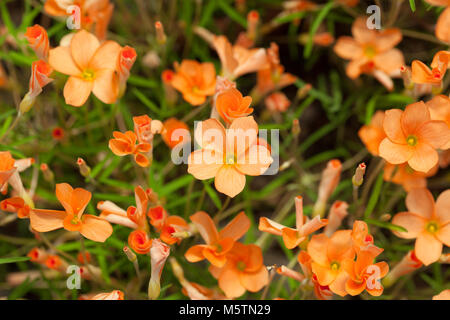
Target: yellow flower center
75 221
432 227
230 159
241 266
411 140
88 75
370 51
195 89
335 266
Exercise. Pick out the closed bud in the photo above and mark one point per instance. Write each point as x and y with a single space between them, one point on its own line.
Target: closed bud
252 24
27 103
303 91
385 217
358 177
129 253
296 129
160 35
47 173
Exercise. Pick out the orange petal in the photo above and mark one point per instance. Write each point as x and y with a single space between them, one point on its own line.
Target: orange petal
340 245
255 161
392 126
210 134
291 238
424 158
390 61
323 274
205 226
428 249
79 201
77 91
236 228
229 282
361 33
338 285
413 117
95 228
229 181
106 56
270 226
83 47
61 60
64 194
395 153
443 234
195 253
317 249
141 160
387 39
46 220
204 164
420 73
413 223
443 25
442 207
421 203
434 133
347 48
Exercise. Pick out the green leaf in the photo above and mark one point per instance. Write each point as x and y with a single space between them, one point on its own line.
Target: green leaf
213 195
385 224
22 289
374 196
412 4
312 31
233 14
13 259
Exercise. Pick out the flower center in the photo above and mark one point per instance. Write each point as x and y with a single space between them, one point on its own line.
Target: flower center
432 227
88 75
195 89
370 51
230 159
219 248
75 221
335 266
411 140
241 266
436 73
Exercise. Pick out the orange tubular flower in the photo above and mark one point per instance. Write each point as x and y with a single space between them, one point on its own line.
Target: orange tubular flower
328 183
38 40
91 67
145 128
330 256
175 132
365 275
338 212
37 255
172 226
114 214
408 264
421 74
273 76
138 241
158 217
427 222
40 77
373 133
159 252
277 101
54 262
231 105
244 270
406 176
228 155
371 51
413 137
439 108
125 144
293 237
113 295
16 204
74 202
127 57
321 292
443 24
194 80
237 60
138 214
218 244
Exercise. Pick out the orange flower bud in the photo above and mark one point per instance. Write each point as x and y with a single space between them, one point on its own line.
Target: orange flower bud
175 132
38 40
139 241
160 35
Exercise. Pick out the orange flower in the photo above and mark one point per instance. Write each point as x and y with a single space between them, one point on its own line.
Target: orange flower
37 255
328 183
373 133
365 275
74 202
16 204
371 51
244 270
125 144
330 256
323 39
218 244
228 155
277 101
138 240
127 57
439 108
406 176
91 67
194 80
427 222
158 217
408 264
38 40
56 263
175 132
145 128
413 137
6 167
40 77
443 24
423 75
293 237
237 60
361 238
231 105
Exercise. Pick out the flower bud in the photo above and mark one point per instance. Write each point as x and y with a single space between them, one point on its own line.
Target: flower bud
47 173
159 252
358 177
160 35
85 170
